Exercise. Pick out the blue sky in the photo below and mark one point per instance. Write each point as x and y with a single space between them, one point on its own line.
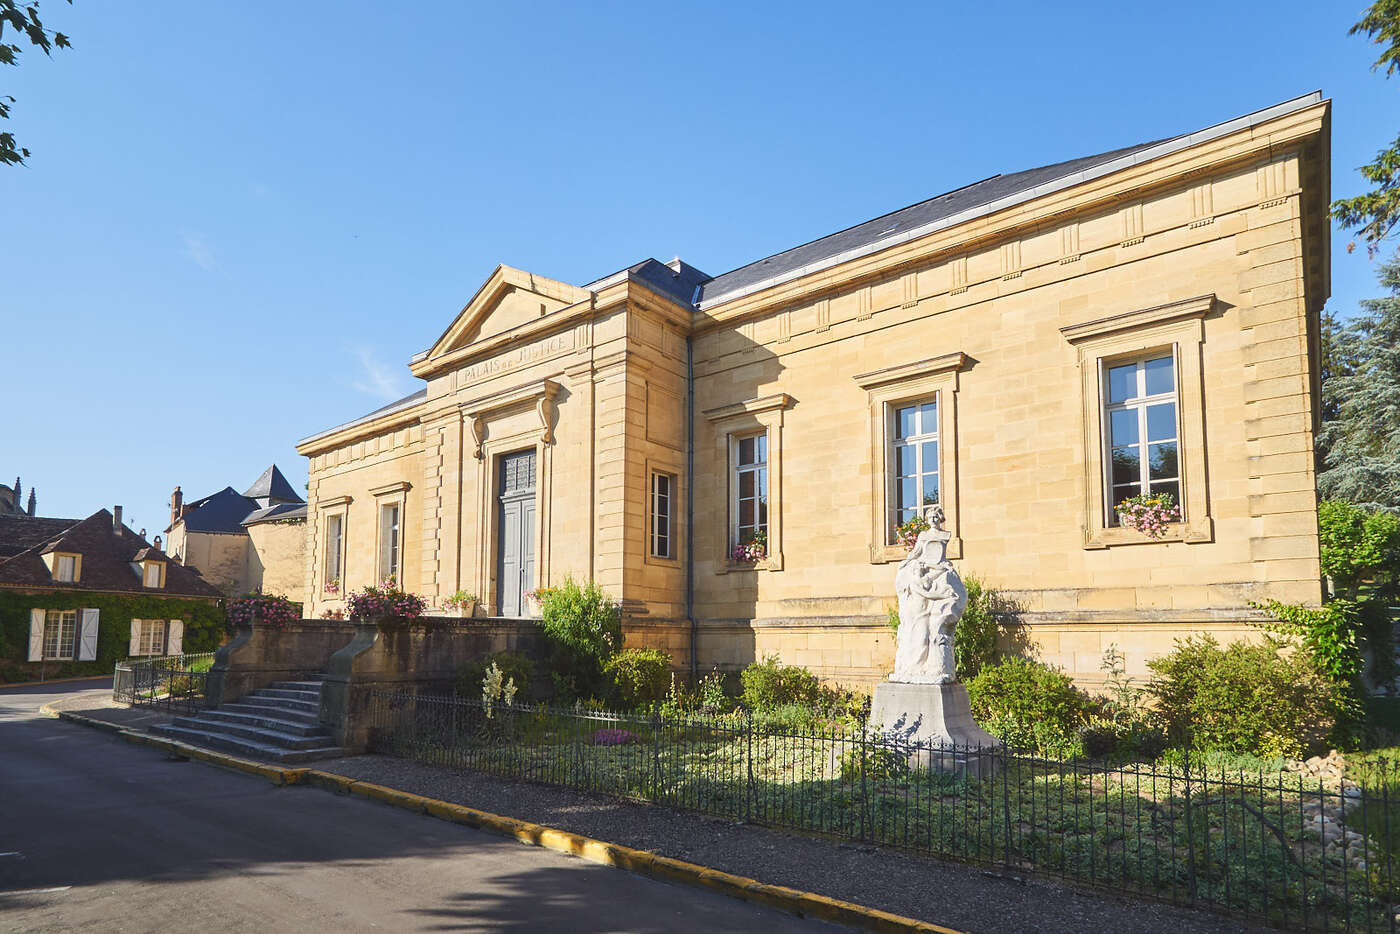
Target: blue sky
240 220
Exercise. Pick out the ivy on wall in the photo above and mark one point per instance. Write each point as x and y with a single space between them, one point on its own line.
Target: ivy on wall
204 629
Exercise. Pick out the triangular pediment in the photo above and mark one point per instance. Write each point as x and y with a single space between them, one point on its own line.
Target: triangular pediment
509 298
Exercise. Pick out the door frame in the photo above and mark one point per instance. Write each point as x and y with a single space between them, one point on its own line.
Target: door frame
488 513
503 500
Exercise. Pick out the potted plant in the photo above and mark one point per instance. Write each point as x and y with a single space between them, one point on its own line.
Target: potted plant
752 551
532 601
461 604
1148 513
331 588
386 600
908 532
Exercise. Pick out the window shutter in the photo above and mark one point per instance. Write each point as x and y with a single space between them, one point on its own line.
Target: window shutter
36 635
135 645
175 641
87 641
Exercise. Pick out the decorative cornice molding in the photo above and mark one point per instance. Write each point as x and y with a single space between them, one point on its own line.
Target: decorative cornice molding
334 501
1197 307
540 392
907 371
402 486
762 404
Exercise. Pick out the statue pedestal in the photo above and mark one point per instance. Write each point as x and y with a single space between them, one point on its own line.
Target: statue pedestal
937 719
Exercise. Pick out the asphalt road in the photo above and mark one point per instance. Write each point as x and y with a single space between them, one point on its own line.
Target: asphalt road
100 835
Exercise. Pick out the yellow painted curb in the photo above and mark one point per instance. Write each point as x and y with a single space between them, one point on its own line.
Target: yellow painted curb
641 862
29 684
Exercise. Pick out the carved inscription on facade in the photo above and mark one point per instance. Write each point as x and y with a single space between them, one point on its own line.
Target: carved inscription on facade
521 356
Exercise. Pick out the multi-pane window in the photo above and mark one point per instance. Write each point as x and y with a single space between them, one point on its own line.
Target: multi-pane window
335 531
1140 406
751 488
663 492
66 569
914 459
388 541
60 633
151 636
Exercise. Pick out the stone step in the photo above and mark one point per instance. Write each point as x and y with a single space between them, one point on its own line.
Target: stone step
245 747
297 686
293 723
270 737
269 706
287 693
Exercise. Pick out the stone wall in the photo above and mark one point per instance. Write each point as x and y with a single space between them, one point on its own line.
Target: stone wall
258 655
276 559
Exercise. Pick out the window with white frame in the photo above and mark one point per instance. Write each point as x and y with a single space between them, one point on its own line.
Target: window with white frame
750 510
66 569
913 462
151 574
152 636
335 533
60 633
1141 430
388 541
663 495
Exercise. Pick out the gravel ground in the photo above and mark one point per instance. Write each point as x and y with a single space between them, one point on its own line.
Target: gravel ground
951 894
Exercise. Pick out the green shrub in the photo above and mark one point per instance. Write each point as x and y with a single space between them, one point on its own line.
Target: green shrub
639 676
1029 705
788 718
873 763
769 684
975 640
1242 698
584 629
513 665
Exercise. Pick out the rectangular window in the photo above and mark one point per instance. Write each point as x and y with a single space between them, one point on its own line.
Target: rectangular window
152 574
66 569
751 488
60 633
334 531
1141 435
663 491
913 460
388 541
151 640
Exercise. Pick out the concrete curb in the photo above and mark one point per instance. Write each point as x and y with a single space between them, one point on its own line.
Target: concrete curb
29 684
641 862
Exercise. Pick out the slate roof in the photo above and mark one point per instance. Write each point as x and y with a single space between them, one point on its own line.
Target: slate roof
961 204
273 486
20 533
406 402
223 511
107 557
276 513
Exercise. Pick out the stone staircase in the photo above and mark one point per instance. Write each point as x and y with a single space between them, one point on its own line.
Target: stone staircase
278 723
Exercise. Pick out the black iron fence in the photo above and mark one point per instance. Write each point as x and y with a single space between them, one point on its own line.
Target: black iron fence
1307 854
173 682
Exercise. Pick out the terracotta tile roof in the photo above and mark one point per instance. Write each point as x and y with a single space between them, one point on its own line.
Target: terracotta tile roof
107 557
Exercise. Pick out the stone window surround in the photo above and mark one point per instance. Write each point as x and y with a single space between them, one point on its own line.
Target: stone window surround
886 390
53 560
488 451
1177 327
763 414
159 568
390 494
339 506
673 471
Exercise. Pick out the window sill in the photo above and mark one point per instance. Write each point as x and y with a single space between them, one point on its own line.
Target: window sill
1190 532
660 561
770 563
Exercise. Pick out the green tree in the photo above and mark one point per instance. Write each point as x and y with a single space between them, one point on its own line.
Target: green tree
1359 444
1374 214
23 21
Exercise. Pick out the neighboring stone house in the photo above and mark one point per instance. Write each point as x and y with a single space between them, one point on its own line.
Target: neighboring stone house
76 595
1027 351
249 542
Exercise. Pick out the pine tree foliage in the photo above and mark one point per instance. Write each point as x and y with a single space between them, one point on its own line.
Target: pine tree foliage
1359 445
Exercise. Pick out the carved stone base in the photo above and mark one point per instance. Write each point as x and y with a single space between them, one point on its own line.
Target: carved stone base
933 716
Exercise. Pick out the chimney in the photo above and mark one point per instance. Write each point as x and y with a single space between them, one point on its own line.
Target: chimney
116 520
177 504
33 504
157 543
142 533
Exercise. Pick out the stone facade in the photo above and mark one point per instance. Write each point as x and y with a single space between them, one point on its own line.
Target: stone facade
1210 249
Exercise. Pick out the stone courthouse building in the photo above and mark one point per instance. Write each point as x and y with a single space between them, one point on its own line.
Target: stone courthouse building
1027 351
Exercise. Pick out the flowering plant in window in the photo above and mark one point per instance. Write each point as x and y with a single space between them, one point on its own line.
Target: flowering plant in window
385 600
751 551
1148 513
460 599
332 614
331 587
271 610
908 532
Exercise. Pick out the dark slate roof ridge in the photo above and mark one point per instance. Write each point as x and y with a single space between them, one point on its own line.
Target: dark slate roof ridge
406 402
275 512
998 192
20 533
223 511
273 485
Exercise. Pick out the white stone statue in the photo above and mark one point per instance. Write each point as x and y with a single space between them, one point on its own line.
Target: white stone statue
931 601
